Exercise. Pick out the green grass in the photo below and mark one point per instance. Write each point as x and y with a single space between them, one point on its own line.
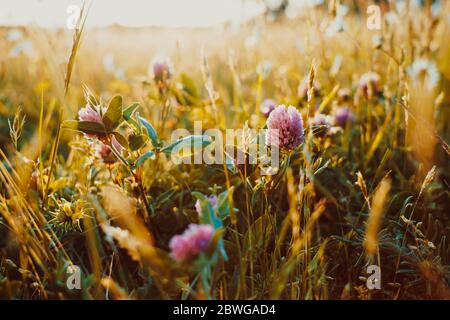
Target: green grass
373 192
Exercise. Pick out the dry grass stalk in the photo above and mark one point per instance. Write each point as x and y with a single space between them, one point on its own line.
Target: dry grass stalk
379 201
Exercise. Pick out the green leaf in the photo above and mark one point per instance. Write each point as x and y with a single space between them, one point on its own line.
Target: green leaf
189 85
113 114
215 243
223 205
122 140
84 126
135 125
164 197
188 93
258 232
136 141
151 132
208 216
189 141
129 111
140 161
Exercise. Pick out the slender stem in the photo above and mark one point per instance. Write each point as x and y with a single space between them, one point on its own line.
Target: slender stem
153 233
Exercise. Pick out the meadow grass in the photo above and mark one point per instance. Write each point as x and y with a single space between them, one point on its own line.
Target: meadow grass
371 190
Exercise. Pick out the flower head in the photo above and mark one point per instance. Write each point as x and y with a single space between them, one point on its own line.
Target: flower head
342 115
285 128
369 84
321 123
320 119
267 106
161 68
344 94
68 215
426 71
104 152
90 114
194 240
212 200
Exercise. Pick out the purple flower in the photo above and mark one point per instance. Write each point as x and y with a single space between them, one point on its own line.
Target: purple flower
344 94
285 128
88 113
320 124
195 239
103 151
369 83
320 119
212 200
267 106
342 115
161 68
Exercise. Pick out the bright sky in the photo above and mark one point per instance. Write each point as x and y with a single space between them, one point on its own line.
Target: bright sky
172 13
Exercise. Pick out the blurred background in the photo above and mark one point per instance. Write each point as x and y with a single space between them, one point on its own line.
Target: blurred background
228 57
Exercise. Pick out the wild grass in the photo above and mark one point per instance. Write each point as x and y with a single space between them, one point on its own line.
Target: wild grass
374 191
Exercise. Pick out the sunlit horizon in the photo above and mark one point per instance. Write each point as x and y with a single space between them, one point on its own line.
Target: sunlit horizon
132 13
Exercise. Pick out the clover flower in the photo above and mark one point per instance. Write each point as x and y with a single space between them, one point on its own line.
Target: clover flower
212 199
320 123
104 152
90 114
369 84
320 119
342 115
344 94
426 71
285 128
161 68
193 241
267 106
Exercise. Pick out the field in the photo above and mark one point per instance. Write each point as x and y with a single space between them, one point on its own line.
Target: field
94 205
